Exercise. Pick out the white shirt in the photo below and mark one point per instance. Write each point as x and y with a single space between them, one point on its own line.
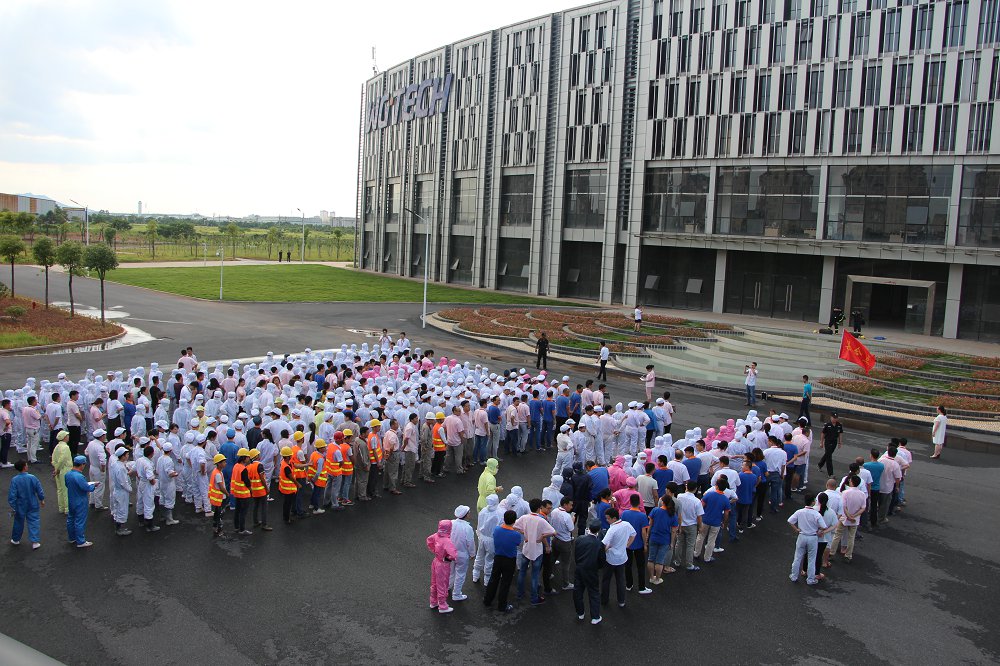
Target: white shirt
616 540
808 521
605 353
775 459
751 379
53 412
730 474
562 521
689 508
706 459
680 471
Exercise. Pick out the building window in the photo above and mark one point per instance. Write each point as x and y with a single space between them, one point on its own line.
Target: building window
831 37
786 97
678 147
369 204
674 199
693 100
706 51
922 29
819 7
933 90
463 200
824 133
882 133
762 93
767 201
516 196
803 40
719 9
855 129
797 134
772 133
659 139
585 201
956 13
860 29
871 85
778 43
513 263
766 11
715 95
842 86
700 137
894 204
670 97
748 130
913 129
392 203
662 57
889 41
967 79
723 134
657 19
729 49
697 16
947 128
848 6
902 76
738 94
423 199
814 87
989 23
684 54
980 127
979 208
751 55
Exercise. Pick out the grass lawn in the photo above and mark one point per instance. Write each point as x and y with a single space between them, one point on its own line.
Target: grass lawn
22 339
296 283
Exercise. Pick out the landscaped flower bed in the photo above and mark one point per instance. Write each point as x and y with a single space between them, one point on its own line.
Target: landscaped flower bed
989 375
560 316
902 362
937 354
978 388
859 386
568 340
966 404
595 331
884 375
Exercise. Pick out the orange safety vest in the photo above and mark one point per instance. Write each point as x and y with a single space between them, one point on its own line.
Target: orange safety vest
286 480
236 485
439 444
257 487
297 472
215 496
374 451
317 462
332 464
347 465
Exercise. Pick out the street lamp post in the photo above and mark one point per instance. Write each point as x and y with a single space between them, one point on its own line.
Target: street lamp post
303 259
427 262
86 221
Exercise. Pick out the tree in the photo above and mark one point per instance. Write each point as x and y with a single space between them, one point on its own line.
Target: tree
100 258
151 235
25 224
62 231
69 255
44 251
272 238
338 237
120 224
232 231
11 247
110 236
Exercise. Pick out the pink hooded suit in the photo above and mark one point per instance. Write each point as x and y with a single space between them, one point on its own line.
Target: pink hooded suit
444 551
617 475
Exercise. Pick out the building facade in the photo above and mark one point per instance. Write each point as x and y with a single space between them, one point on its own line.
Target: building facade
760 157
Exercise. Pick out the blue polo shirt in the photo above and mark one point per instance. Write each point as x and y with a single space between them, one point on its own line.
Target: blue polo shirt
790 450
716 504
599 480
505 542
652 419
662 523
548 411
562 406
693 466
748 483
663 477
493 414
600 508
535 410
574 403
639 521
876 469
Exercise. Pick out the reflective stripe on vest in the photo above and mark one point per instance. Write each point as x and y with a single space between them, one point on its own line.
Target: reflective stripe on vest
347 465
215 496
297 472
317 463
257 487
236 485
439 444
286 481
332 464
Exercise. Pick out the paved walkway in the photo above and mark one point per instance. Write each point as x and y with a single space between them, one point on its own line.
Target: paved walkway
230 262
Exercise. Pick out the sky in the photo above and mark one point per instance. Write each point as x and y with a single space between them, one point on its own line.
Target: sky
211 107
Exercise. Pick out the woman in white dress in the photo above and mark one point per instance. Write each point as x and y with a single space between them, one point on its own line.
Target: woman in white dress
938 430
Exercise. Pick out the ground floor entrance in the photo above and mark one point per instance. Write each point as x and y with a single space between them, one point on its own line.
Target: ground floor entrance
893 303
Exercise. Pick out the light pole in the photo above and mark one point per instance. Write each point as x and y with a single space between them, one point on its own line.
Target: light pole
303 259
222 266
86 221
427 261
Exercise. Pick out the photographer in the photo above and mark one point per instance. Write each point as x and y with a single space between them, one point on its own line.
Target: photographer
750 372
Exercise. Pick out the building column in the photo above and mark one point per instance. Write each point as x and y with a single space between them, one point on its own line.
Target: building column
826 289
719 295
710 201
954 205
824 175
952 301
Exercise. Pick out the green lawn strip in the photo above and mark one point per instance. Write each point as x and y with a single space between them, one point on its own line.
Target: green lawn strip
304 283
22 339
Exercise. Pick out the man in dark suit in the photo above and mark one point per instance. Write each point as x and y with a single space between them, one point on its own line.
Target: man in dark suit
589 558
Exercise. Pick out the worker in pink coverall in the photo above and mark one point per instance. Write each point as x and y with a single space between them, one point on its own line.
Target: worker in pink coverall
444 551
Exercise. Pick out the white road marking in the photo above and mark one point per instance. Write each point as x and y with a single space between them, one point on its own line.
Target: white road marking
162 321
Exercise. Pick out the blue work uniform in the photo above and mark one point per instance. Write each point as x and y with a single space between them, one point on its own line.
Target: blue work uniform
24 497
76 519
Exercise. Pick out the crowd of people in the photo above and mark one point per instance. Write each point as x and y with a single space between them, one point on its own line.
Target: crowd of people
620 512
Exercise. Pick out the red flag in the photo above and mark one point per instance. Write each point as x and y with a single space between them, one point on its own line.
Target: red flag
852 350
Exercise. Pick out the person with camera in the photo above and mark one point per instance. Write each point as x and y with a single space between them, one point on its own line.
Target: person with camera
750 381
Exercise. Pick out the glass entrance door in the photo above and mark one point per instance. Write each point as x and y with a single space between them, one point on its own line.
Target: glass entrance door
757 289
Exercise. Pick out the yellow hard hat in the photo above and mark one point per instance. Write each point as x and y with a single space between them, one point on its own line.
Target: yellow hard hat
286 451
319 444
62 435
298 436
375 423
242 453
219 457
348 432
253 453
439 415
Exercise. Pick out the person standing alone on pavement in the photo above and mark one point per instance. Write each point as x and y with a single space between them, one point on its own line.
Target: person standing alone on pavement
833 436
751 383
938 431
807 395
649 381
542 351
637 315
602 360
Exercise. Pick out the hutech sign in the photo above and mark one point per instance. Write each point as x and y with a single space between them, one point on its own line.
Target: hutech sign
420 100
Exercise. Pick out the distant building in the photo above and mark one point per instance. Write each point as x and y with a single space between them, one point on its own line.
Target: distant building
36 205
324 216
140 208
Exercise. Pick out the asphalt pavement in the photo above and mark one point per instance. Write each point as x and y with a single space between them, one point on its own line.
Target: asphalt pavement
352 587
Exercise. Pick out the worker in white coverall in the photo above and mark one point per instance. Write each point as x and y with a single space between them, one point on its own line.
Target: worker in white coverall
167 473
489 518
98 460
145 489
121 489
465 545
